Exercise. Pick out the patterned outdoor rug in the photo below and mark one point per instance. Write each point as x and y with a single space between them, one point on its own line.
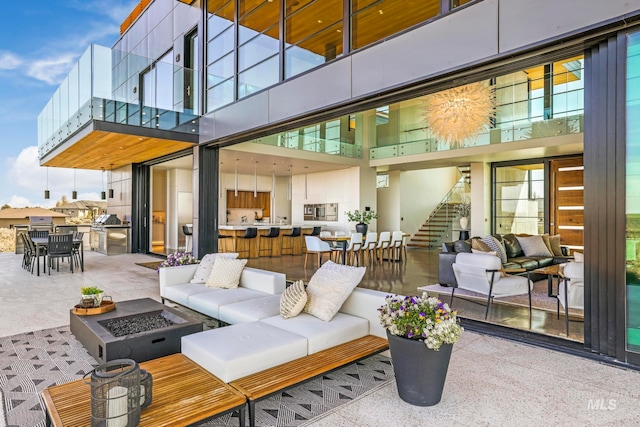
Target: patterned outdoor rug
33 361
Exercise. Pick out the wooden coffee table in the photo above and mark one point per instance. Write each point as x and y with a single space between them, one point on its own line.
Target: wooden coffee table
183 393
551 272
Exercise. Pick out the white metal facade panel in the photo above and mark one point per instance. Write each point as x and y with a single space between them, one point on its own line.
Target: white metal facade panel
525 22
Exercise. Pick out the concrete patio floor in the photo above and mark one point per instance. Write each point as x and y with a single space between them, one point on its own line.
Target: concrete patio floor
491 381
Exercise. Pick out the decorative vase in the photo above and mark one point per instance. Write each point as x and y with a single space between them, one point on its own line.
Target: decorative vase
420 371
361 227
464 222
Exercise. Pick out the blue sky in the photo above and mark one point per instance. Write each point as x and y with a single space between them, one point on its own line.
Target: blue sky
40 41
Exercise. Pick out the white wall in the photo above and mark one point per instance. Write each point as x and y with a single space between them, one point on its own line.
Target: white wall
421 191
179 204
480 222
389 214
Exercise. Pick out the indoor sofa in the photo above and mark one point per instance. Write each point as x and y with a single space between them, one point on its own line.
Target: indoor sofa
516 258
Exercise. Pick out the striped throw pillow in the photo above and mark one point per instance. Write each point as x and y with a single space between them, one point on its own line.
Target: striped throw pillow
293 300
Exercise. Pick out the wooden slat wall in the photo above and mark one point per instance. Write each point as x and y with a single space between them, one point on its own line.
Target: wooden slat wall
566 198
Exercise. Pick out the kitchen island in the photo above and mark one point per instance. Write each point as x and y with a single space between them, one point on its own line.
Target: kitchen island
237 244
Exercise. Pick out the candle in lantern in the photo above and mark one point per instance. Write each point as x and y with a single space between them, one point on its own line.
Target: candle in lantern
117 407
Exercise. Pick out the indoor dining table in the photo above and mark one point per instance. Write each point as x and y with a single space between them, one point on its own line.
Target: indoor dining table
343 241
43 242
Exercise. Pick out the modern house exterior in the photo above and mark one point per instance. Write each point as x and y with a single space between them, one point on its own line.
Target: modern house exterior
374 104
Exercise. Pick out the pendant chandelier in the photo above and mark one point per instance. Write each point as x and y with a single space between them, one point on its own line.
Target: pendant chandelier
103 194
74 193
235 187
46 191
460 113
110 179
255 179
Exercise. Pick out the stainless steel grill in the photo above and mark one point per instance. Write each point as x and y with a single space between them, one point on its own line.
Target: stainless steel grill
41 223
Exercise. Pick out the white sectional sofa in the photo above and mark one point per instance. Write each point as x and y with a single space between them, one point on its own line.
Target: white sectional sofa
258 337
254 346
256 297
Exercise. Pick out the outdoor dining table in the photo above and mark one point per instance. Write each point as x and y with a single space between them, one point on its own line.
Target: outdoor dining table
343 241
44 242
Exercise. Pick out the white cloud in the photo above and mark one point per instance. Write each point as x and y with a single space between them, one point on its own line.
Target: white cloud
19 202
9 61
51 70
27 174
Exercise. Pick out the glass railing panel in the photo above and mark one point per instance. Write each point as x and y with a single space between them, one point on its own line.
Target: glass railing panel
108 85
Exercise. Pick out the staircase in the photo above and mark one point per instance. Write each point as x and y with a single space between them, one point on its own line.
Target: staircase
439 223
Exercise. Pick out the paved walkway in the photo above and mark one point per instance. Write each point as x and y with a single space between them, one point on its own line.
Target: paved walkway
491 381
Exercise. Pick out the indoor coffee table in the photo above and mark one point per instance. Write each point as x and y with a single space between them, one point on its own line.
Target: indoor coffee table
183 393
103 344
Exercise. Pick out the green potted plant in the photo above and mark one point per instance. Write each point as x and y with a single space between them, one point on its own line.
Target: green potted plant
91 296
421 333
362 219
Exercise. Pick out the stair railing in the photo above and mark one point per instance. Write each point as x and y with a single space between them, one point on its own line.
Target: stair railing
446 209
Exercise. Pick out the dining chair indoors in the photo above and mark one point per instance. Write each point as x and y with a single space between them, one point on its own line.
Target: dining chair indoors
369 245
316 246
382 245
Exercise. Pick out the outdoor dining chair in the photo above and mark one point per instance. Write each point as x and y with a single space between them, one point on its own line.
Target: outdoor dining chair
60 246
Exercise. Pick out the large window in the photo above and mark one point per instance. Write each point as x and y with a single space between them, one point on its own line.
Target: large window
220 53
633 193
519 198
313 34
373 20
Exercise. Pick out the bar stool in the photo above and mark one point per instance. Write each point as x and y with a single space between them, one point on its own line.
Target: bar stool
274 232
315 232
222 242
250 233
291 238
188 234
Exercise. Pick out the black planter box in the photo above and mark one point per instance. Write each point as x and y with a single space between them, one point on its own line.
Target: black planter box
142 346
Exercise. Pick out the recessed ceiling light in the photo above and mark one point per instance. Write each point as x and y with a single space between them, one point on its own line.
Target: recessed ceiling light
380 12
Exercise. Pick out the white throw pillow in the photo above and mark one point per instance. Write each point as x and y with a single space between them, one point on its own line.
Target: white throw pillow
204 268
293 300
226 273
578 256
495 245
329 288
533 246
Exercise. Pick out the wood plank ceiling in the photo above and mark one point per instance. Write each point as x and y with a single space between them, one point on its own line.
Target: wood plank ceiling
109 150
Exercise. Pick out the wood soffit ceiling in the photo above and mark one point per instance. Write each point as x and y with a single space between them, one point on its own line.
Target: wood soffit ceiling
101 149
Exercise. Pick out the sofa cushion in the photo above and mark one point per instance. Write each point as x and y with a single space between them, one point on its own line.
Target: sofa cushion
525 262
322 335
206 263
461 246
239 350
578 256
249 310
209 303
448 247
512 246
554 241
533 246
181 293
270 282
497 246
329 287
226 272
479 245
293 300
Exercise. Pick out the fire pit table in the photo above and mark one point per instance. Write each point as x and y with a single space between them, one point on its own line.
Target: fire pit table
141 329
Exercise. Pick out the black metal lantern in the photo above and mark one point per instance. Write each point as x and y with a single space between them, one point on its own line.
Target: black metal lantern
115 394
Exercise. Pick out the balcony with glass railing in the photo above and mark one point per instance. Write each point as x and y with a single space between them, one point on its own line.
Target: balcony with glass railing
121 88
525 109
